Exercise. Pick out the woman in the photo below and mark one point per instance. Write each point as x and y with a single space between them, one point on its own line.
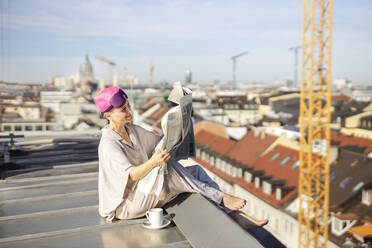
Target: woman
126 155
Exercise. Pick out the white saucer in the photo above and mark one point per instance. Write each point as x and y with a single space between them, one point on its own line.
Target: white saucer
147 224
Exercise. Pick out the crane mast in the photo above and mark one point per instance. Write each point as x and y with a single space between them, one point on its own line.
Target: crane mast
233 58
152 68
314 123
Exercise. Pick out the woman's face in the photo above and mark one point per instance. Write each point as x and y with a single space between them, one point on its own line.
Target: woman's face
120 115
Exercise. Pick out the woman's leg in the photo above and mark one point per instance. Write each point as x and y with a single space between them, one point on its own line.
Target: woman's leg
233 203
195 179
246 221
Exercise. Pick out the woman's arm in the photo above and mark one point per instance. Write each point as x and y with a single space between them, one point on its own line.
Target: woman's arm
140 171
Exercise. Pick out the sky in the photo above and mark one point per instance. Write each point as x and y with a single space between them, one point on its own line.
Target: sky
45 38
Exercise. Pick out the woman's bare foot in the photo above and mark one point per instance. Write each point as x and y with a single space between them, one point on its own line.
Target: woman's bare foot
245 221
232 202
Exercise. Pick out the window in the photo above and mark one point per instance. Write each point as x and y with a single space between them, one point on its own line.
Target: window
291 228
248 177
218 163
212 160
28 128
284 161
234 174
17 128
7 128
257 182
276 224
358 186
240 172
229 169
266 188
275 156
39 128
286 226
345 182
295 165
223 166
278 194
366 197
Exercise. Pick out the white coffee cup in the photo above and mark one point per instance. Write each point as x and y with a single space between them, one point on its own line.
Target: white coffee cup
155 216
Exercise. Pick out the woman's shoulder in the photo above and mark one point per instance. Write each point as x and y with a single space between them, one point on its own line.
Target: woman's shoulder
108 138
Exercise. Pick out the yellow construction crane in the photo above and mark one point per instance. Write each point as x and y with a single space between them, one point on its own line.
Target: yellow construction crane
152 68
314 123
110 63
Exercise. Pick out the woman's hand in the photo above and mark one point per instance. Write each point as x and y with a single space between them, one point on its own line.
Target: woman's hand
160 157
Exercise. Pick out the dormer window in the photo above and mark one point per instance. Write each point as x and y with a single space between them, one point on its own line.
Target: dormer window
234 172
218 163
278 194
366 197
248 177
257 182
266 188
341 223
203 156
212 160
223 164
240 172
229 169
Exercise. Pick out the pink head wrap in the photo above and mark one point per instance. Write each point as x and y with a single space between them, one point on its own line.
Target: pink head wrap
109 98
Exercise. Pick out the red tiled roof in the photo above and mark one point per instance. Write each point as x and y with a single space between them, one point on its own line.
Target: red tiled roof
271 168
221 145
271 199
211 127
250 147
205 138
275 169
347 140
340 98
157 115
147 104
347 216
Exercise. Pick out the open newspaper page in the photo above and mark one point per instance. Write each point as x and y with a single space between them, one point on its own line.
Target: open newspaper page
175 125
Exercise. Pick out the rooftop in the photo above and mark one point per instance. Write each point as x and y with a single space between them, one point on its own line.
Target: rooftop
53 202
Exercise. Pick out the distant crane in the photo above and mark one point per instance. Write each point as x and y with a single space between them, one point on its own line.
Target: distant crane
110 63
152 68
233 58
295 49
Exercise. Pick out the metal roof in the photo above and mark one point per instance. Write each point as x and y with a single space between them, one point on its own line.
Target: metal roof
56 206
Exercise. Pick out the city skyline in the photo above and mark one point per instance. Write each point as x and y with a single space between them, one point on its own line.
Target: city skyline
50 38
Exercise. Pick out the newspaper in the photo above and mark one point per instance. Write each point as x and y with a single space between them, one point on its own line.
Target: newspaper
175 125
